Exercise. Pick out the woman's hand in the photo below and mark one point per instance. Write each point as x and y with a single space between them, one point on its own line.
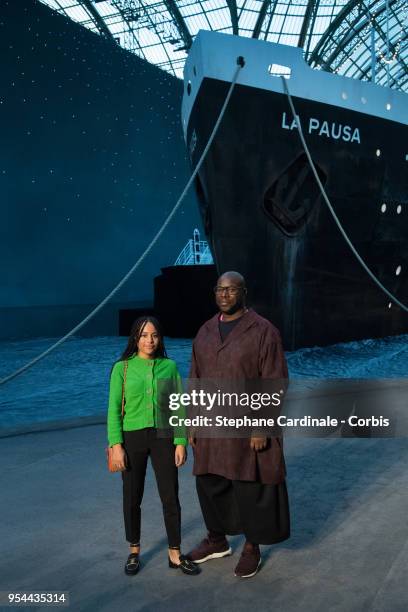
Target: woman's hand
180 455
119 457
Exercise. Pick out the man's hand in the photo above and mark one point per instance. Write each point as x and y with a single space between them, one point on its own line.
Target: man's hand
180 455
258 444
119 457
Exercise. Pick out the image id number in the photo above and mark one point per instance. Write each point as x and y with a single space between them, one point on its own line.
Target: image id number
51 598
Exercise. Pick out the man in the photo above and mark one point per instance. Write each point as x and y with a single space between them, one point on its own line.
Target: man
240 481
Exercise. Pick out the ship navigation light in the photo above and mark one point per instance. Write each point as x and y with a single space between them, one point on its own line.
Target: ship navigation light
277 70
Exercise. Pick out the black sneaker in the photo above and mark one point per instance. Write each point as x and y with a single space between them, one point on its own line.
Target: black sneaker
249 562
210 550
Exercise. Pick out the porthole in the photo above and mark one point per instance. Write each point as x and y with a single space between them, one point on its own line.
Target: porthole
388 106
378 152
398 271
389 304
364 100
189 88
194 71
383 208
399 209
344 95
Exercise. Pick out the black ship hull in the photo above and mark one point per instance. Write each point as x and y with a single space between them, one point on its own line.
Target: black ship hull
264 215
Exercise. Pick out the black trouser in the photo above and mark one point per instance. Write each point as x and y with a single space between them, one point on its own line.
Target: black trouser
231 507
139 444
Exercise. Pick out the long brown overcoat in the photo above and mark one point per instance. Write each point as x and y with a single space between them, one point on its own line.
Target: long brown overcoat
253 349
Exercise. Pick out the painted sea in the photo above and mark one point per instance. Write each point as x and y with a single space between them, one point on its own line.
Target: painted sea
73 381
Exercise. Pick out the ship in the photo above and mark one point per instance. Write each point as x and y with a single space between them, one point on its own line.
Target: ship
261 207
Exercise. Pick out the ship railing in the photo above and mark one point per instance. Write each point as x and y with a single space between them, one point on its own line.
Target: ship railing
196 252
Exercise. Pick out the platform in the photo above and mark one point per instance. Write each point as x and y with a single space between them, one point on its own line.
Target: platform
61 529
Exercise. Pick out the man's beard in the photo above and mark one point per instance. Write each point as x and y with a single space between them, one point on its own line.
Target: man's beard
233 309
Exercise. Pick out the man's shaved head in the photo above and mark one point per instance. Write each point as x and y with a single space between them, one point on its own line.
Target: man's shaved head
234 277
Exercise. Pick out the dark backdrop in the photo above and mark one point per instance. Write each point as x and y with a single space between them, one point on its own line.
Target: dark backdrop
91 161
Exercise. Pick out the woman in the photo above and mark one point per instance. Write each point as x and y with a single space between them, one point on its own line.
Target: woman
136 375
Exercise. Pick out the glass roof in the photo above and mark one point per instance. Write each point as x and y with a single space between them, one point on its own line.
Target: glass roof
348 37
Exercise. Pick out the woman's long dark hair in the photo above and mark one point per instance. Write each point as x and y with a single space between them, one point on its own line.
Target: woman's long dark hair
135 333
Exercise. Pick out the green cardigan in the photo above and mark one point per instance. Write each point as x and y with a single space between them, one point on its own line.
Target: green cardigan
146 401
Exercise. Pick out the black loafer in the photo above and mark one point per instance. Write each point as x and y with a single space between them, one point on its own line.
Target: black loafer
132 564
186 566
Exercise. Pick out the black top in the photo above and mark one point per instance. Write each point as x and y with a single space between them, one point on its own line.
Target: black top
226 327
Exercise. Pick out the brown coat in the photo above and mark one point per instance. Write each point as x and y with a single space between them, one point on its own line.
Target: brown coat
253 349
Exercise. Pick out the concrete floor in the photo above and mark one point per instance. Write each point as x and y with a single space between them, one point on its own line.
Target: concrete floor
61 529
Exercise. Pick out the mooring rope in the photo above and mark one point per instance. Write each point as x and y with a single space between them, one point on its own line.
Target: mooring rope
330 207
240 65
